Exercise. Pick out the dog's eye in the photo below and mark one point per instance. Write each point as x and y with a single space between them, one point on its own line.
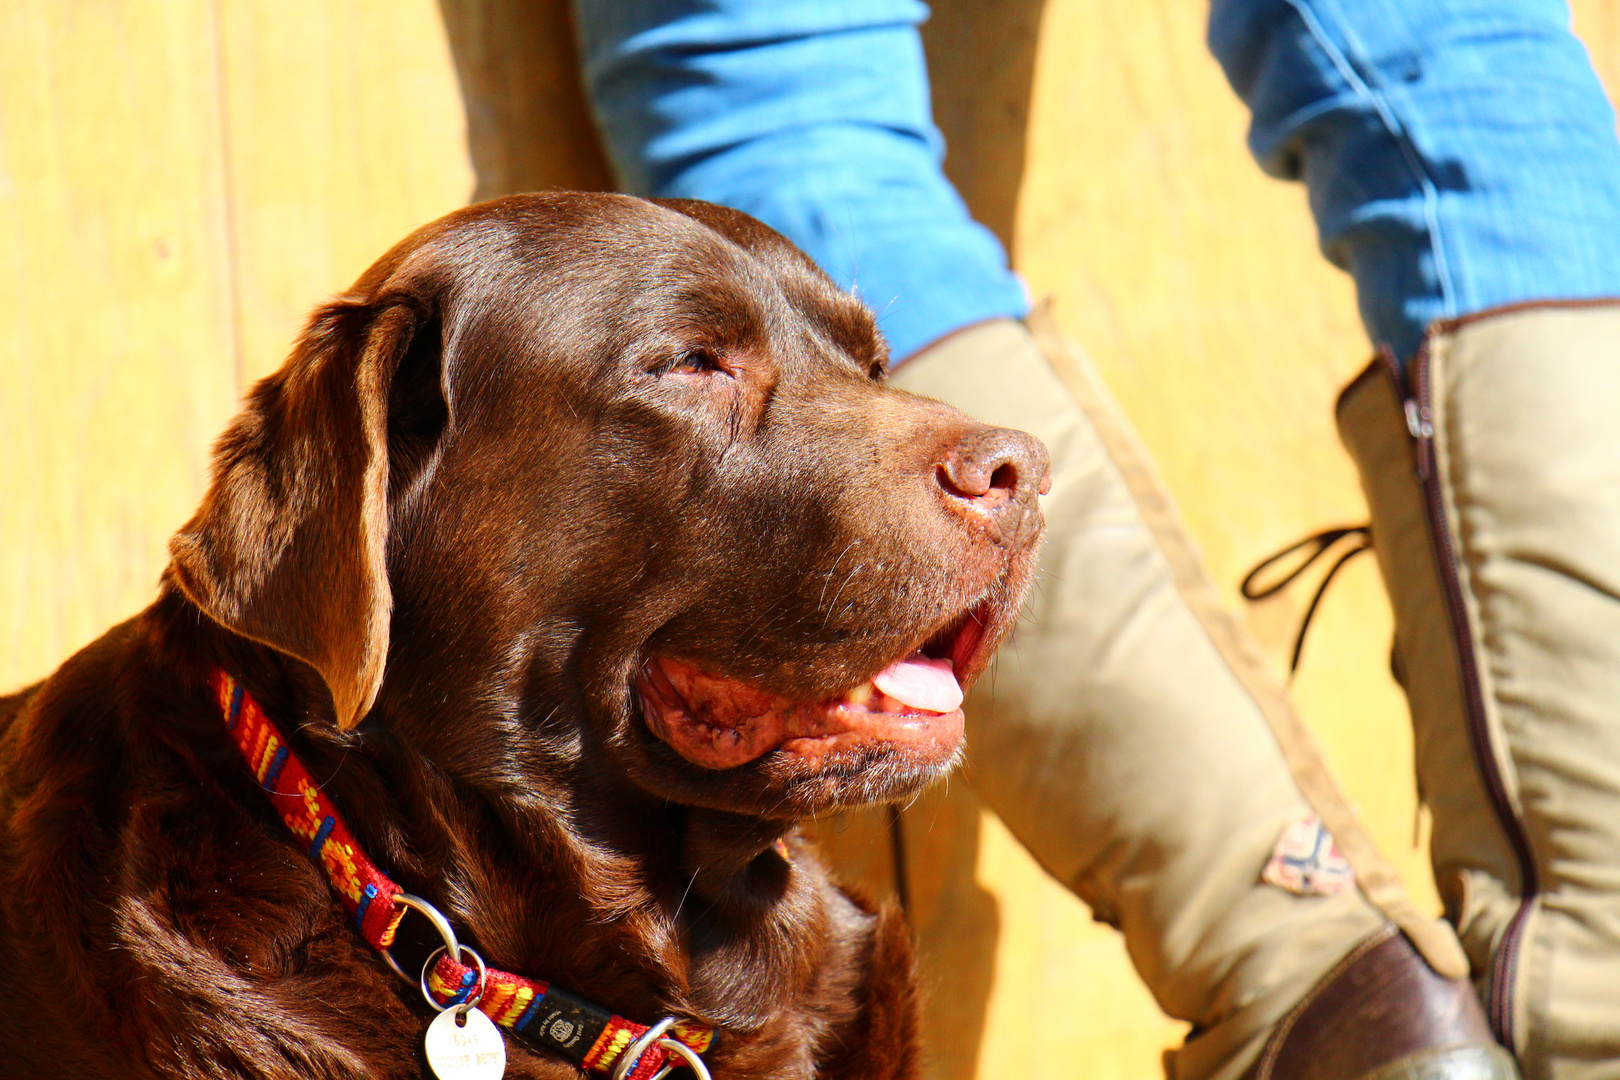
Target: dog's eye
691 362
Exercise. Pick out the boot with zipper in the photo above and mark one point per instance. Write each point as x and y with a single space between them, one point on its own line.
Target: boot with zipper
1133 740
1492 469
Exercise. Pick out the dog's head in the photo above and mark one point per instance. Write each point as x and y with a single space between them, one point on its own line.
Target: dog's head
590 476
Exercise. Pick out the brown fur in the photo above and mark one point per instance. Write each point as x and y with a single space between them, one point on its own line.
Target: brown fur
437 544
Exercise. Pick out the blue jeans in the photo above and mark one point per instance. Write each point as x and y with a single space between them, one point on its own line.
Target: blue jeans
1459 154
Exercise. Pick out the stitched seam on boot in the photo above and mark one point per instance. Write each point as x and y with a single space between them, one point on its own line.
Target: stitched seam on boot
1501 760
1505 1006
1448 326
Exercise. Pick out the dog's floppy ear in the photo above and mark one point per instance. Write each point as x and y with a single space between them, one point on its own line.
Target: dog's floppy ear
289 545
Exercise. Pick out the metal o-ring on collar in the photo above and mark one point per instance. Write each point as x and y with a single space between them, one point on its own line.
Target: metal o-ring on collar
632 1053
685 1053
654 1036
433 915
472 999
447 934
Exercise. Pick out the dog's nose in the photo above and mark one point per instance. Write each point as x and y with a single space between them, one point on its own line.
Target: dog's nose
997 471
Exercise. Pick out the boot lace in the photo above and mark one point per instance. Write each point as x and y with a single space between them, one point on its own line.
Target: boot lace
1258 583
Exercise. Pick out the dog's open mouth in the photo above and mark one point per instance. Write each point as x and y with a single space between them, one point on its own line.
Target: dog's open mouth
720 723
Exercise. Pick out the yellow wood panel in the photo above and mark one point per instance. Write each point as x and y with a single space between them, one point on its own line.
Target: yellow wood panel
344 132
115 360
176 194
1598 24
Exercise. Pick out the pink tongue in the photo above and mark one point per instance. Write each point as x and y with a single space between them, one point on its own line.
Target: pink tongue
922 683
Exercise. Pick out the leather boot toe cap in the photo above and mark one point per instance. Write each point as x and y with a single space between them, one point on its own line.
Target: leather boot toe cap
1383 1014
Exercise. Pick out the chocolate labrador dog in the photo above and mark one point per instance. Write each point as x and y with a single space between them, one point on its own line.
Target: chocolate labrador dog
576 553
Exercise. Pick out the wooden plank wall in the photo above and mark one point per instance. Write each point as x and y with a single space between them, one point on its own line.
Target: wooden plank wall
181 180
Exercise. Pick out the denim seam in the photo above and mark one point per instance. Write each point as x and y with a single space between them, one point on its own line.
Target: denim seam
1398 132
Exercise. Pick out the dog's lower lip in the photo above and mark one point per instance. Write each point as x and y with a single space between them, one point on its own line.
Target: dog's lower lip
721 723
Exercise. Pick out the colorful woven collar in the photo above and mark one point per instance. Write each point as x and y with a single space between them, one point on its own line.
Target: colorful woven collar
586 1034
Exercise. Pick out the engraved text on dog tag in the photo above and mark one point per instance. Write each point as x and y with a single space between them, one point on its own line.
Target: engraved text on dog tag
471 1050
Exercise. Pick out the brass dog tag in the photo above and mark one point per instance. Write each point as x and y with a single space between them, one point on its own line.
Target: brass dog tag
470 1050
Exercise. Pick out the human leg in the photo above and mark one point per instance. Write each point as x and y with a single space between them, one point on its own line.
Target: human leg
1461 157
1493 477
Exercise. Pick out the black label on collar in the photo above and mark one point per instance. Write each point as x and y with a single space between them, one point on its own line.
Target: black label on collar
566 1024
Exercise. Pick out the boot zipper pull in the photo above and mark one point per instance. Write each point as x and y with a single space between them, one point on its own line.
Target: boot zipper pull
1420 423
1417 420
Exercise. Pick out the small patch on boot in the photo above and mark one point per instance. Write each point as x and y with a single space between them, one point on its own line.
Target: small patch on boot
1307 862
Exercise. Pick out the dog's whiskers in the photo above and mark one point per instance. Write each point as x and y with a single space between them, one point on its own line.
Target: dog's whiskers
853 573
833 569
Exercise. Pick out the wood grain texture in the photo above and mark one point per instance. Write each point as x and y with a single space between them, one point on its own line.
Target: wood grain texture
115 360
181 180
343 131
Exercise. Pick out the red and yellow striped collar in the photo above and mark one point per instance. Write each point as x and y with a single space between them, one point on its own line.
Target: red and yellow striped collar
590 1036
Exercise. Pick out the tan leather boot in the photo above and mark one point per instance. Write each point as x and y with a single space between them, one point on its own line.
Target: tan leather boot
1132 740
1493 474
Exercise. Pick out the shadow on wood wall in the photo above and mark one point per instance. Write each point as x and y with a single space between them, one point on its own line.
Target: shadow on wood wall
981 60
528 126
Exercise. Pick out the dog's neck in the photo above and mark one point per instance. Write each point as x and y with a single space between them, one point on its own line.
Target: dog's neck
555 867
